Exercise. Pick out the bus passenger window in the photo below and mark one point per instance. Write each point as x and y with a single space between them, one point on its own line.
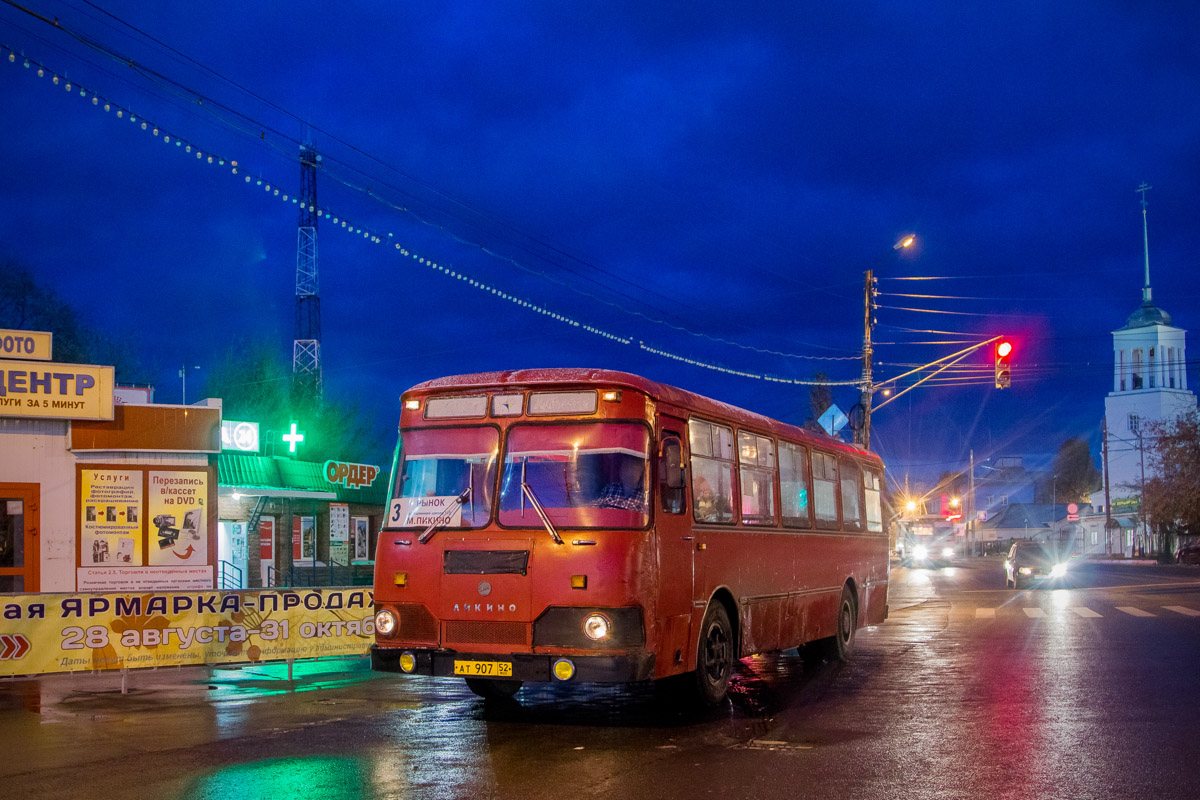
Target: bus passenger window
757 456
712 471
793 485
825 490
851 490
874 493
670 475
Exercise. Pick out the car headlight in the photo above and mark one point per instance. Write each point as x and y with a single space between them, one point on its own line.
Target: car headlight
920 552
385 623
1025 571
1058 570
947 552
596 626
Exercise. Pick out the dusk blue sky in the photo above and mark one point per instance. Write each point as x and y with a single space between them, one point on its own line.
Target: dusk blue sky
710 180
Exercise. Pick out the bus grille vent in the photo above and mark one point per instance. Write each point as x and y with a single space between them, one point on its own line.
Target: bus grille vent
513 633
416 623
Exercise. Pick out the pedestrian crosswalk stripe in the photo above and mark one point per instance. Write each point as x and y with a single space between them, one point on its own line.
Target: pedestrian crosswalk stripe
1188 612
1084 612
1134 612
985 613
1033 613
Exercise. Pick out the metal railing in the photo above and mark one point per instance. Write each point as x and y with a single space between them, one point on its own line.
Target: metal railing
230 576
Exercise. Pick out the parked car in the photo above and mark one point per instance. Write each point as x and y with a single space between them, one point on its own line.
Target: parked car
1033 563
1190 554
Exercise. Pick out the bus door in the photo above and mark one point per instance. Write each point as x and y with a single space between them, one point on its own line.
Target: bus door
676 548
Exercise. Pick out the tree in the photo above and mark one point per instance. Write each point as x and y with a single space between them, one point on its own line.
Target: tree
24 305
1073 476
253 380
1171 499
820 398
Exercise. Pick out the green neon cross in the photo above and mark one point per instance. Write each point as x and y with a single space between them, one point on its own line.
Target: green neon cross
293 438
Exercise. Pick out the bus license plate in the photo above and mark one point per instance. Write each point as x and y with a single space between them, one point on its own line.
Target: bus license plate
494 669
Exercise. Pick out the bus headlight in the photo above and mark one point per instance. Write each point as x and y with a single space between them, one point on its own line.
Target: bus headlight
596 626
1058 570
947 552
385 623
920 552
408 662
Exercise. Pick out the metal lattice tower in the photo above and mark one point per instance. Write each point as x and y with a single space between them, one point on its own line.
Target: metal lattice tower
306 350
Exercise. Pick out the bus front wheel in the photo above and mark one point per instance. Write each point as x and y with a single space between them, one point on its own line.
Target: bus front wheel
490 689
714 656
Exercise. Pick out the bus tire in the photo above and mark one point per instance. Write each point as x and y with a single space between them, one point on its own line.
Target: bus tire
490 689
840 646
714 656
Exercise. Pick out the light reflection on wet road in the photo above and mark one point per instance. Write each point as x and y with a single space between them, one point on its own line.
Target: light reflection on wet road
962 693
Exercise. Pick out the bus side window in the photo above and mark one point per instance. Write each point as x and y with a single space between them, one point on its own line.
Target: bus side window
670 475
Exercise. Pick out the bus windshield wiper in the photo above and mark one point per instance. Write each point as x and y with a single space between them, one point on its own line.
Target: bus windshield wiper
443 519
527 490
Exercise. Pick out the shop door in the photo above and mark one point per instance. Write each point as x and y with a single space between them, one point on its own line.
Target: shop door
232 553
18 537
266 550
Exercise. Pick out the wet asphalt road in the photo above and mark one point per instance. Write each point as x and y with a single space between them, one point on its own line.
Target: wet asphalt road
969 690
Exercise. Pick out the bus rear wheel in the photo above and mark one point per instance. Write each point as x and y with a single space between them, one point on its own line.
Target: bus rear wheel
490 689
840 646
714 656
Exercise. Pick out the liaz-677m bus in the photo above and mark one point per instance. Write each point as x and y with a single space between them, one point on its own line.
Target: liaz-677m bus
586 525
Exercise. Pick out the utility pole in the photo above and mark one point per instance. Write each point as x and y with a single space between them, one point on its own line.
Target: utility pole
868 390
971 537
1108 519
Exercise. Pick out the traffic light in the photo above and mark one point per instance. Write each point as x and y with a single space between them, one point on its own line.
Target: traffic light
1004 350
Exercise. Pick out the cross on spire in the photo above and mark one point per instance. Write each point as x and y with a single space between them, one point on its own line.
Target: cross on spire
1147 295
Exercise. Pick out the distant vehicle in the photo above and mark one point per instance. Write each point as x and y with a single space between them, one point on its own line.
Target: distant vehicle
927 547
1190 554
1033 563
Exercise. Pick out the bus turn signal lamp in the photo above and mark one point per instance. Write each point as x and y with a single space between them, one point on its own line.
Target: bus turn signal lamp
579 581
611 397
400 579
408 662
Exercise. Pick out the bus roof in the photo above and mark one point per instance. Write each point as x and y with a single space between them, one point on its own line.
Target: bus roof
567 376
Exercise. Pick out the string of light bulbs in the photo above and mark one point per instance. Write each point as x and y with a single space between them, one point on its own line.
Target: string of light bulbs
375 237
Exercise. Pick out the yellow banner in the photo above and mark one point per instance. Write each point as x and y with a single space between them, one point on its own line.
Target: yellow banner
69 632
55 391
31 345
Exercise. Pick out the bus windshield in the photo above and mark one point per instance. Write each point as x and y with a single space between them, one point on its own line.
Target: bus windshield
445 479
583 476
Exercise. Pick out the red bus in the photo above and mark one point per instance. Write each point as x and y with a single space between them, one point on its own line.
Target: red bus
587 525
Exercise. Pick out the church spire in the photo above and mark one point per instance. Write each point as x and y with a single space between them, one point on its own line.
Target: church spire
1147 295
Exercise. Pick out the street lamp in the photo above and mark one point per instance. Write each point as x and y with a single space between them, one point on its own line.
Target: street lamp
868 388
183 376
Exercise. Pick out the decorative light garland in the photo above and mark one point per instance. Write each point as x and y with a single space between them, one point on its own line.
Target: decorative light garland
377 238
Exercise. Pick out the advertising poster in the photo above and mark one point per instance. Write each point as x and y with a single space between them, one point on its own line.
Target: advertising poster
362 538
110 511
178 518
339 533
76 632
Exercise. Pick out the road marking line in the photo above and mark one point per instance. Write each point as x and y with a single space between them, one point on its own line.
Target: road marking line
985 613
1034 613
1187 612
1085 612
1134 612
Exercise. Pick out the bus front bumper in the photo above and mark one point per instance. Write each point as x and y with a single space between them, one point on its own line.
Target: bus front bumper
627 667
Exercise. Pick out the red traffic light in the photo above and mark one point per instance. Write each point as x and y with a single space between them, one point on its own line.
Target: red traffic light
1003 367
1004 349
